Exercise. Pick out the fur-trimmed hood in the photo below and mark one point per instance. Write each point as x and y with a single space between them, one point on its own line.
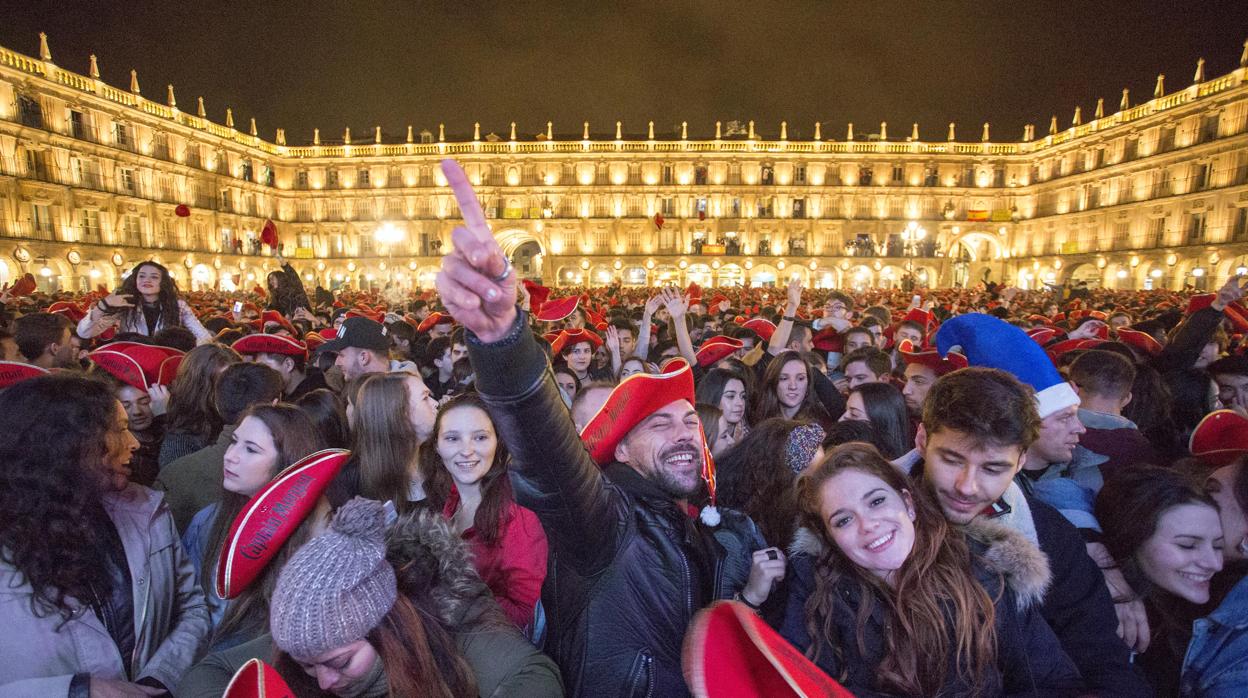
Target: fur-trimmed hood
430 560
999 549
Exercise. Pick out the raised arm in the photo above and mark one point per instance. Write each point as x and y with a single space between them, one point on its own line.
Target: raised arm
780 338
677 305
551 471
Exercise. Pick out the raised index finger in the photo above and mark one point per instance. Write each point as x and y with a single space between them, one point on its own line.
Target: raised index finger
469 207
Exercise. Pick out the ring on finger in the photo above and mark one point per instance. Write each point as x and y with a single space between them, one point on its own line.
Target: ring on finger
506 272
773 555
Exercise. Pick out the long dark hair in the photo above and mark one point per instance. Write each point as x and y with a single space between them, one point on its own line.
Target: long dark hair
325 410
886 410
286 295
710 389
754 477
52 429
294 437
384 442
170 313
767 403
419 655
495 486
191 408
936 608
1129 507
1131 504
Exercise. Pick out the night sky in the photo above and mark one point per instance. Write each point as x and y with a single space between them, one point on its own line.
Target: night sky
300 65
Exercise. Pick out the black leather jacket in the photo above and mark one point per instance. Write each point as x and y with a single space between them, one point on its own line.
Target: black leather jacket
628 565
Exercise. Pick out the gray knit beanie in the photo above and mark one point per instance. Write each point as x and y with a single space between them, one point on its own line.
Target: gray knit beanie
337 587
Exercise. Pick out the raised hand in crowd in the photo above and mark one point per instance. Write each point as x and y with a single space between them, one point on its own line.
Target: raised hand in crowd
477 283
1230 292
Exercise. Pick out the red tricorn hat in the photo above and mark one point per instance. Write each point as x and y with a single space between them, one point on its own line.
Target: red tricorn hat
931 358
271 516
134 364
432 320
595 319
537 294
313 340
1042 335
762 327
270 344
169 369
1220 438
569 338
1068 345
268 234
635 398
69 310
717 348
272 316
1140 340
922 317
375 317
828 339
14 372
255 679
694 292
556 310
730 652
182 211
716 300
1200 301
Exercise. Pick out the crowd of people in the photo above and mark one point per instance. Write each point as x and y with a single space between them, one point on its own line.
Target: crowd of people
497 489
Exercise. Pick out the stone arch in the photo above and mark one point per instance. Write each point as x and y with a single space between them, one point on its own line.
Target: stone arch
972 240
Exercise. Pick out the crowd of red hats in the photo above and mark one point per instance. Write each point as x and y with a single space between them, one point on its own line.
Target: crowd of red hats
262 435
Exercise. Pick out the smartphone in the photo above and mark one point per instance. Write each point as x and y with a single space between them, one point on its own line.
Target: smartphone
238 306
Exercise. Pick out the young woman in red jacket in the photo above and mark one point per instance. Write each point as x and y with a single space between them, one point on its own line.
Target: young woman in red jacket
465 468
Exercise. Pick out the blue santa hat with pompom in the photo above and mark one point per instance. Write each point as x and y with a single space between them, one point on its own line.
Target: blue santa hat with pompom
993 343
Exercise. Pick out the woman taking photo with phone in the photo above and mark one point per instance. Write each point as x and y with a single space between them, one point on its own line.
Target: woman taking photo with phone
146 303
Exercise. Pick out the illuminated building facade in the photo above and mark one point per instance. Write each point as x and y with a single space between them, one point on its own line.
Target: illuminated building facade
1145 195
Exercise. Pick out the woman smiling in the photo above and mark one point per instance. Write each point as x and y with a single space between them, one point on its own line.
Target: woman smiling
890 599
465 468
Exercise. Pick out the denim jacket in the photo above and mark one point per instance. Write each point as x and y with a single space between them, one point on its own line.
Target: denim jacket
1216 665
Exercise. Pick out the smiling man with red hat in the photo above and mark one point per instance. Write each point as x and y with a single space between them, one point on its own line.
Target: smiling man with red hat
631 561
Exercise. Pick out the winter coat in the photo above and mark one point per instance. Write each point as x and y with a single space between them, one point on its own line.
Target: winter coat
1216 665
1077 605
1030 660
39 656
629 565
515 565
502 661
193 482
133 321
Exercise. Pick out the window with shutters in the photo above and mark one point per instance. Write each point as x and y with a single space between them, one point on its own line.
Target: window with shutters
125 179
89 224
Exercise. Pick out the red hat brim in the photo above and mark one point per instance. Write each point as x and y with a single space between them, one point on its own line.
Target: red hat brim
716 349
932 358
635 398
15 372
729 652
569 338
255 679
1220 438
828 339
556 310
268 519
270 344
762 327
1069 345
1042 335
432 320
1140 340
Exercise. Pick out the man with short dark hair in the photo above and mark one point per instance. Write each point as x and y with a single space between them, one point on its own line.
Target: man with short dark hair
857 338
46 340
977 426
627 334
192 482
1103 380
866 365
288 357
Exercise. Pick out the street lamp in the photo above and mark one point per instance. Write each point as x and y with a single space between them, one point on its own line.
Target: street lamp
910 238
388 235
